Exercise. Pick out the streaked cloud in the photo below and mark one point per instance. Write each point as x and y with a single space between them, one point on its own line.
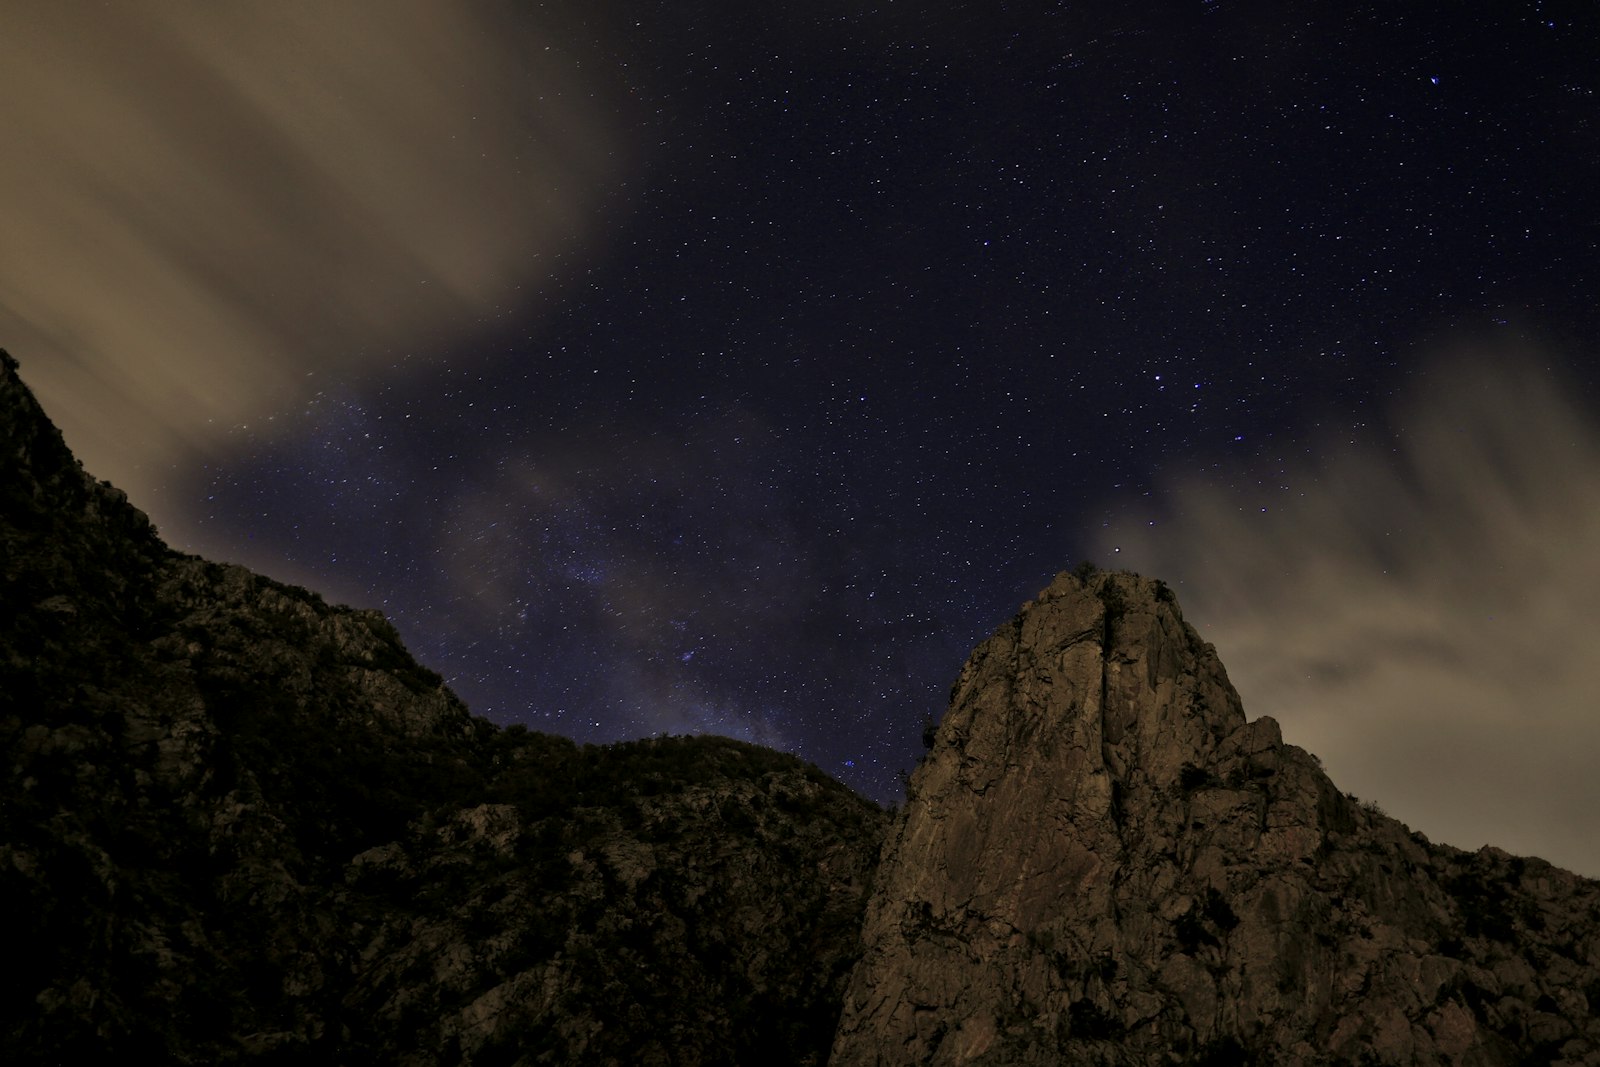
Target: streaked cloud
206 205
1416 602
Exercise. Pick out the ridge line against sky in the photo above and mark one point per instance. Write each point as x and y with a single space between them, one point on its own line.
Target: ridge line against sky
690 368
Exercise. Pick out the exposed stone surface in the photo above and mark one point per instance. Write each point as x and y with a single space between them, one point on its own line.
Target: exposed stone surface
239 824
1102 862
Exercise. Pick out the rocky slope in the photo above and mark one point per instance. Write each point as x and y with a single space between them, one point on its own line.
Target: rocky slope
240 824
1102 862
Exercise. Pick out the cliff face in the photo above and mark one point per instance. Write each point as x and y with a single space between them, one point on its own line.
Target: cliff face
240 824
1102 862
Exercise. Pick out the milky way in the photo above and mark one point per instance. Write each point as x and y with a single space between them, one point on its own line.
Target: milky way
685 369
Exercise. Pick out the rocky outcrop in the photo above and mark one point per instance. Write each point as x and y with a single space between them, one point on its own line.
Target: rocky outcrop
242 825
1102 862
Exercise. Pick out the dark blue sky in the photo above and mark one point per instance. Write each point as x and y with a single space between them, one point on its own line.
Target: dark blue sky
879 314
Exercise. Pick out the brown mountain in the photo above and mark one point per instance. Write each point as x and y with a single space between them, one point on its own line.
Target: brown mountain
242 825
1102 862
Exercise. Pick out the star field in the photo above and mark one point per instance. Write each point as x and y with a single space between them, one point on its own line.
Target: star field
850 324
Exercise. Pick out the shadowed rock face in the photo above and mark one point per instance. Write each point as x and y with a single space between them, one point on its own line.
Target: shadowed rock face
1102 862
239 824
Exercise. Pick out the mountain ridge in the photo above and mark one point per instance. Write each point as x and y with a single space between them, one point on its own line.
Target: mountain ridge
247 826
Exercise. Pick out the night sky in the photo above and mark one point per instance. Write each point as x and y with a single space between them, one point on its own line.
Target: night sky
731 368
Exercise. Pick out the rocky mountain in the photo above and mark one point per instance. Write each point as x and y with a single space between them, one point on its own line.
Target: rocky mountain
1102 862
238 824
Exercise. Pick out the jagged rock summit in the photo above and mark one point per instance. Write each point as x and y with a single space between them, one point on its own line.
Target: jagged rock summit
1102 862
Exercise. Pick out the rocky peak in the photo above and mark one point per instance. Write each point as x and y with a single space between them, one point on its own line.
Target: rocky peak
246 826
1102 861
64 532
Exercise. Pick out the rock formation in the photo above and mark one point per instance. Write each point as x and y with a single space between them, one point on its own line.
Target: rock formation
1101 862
242 825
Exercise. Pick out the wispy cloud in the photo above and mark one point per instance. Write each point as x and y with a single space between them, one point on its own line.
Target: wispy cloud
1417 605
205 204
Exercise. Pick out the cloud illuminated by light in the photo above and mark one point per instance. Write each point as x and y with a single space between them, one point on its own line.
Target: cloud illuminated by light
1417 606
207 204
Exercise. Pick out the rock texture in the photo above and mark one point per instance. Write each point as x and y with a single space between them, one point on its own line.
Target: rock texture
242 825
1102 862
238 824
